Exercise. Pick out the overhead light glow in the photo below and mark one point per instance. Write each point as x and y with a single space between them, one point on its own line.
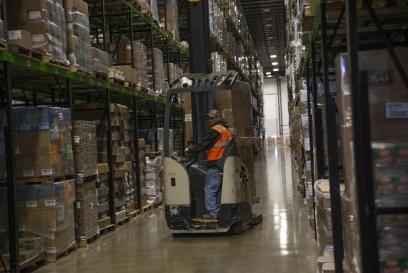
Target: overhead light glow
268 73
276 69
275 63
269 76
273 56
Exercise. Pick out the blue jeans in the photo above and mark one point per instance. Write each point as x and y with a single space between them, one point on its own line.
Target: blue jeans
213 189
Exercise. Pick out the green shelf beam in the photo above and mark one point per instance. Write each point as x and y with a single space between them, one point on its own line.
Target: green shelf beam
154 25
36 65
313 35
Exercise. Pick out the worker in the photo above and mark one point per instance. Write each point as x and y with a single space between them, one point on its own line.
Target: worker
214 142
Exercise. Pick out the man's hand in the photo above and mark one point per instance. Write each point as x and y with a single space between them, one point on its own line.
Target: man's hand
186 150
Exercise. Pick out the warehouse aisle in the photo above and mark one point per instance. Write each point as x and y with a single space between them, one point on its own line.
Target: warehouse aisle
282 243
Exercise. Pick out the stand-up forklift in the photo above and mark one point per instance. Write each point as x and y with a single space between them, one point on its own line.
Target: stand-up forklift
184 178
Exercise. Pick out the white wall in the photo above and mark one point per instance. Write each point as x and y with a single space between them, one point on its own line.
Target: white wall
271 107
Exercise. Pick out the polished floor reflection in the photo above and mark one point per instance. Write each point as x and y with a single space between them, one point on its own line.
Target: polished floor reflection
282 243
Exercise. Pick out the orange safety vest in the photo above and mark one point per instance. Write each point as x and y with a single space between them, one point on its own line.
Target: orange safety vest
216 151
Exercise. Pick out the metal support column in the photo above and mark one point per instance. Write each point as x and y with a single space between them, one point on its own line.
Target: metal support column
154 90
131 36
11 180
136 154
332 152
317 115
112 209
362 149
200 53
103 26
280 114
311 136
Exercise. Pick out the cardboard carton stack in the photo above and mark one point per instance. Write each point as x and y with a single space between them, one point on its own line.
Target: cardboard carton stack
45 20
155 67
29 248
43 146
121 143
78 31
102 192
123 56
170 18
324 226
85 158
149 6
218 24
389 132
100 61
44 210
235 106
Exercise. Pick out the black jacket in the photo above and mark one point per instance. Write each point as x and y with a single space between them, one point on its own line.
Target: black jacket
209 140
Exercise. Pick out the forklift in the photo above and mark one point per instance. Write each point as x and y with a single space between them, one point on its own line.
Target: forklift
184 178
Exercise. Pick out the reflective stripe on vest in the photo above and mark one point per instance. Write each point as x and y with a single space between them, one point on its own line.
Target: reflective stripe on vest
216 151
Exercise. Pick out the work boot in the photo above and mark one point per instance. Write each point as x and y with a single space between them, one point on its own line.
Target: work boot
208 216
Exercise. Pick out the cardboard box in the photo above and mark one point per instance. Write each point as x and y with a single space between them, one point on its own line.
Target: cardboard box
21 38
235 106
102 168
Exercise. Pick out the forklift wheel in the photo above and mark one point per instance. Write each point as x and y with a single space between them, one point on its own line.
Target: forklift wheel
236 228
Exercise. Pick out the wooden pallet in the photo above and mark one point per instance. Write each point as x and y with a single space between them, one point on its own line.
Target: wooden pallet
161 96
117 81
79 70
46 59
255 200
146 208
32 264
100 76
29 53
107 229
42 180
86 242
132 215
122 222
52 258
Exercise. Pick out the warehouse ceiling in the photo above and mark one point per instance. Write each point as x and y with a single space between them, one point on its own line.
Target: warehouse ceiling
266 20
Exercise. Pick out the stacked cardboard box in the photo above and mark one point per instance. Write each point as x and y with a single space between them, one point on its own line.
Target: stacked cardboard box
85 158
155 69
43 144
100 61
218 62
79 47
29 248
170 18
45 20
142 147
45 210
102 192
150 6
124 176
323 214
218 24
389 131
152 171
121 143
122 55
235 106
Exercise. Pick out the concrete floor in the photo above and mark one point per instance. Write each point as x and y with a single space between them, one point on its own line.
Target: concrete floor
282 243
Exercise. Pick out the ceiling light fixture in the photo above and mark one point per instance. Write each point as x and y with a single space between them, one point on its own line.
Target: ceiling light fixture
269 76
275 63
276 69
268 73
273 56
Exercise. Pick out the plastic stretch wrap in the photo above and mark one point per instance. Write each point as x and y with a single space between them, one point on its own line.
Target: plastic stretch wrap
45 20
79 46
47 211
2 34
85 146
170 17
100 60
43 144
124 56
160 86
235 106
218 24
